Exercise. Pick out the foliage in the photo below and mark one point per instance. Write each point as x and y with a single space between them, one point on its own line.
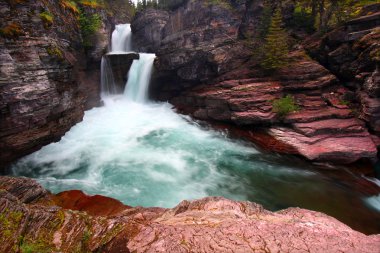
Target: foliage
55 51
322 15
265 20
222 3
9 223
70 5
91 3
47 18
89 24
12 30
39 246
276 46
159 4
284 106
123 9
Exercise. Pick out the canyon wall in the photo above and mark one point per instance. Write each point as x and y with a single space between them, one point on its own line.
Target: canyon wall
48 76
207 67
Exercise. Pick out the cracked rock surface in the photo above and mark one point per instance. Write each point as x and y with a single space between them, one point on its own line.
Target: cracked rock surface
32 217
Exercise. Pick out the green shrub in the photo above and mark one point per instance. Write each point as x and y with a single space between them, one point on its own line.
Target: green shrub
284 106
89 25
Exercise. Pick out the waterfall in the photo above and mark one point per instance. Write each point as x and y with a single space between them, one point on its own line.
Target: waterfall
107 80
139 77
121 39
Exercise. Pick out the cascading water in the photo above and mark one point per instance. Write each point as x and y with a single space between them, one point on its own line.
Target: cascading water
139 78
107 80
146 154
121 40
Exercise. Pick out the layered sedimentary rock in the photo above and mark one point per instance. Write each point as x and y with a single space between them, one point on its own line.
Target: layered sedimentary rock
194 43
352 53
32 218
207 68
46 80
323 129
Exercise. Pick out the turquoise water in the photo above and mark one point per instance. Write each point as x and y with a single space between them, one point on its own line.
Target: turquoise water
148 155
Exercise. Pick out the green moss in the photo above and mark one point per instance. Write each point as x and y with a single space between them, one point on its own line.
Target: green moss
111 234
344 102
55 52
47 18
9 222
284 106
34 247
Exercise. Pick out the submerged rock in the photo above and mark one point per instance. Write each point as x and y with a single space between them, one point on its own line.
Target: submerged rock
31 218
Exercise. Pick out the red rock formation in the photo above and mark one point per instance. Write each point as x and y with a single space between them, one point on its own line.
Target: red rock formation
46 80
206 69
351 52
324 128
94 205
30 219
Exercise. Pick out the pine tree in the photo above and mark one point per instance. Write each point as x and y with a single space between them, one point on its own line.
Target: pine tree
276 45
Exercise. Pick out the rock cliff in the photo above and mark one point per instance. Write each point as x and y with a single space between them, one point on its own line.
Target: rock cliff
206 67
352 52
34 220
47 78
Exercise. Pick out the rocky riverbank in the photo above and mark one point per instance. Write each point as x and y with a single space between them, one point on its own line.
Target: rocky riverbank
34 219
207 68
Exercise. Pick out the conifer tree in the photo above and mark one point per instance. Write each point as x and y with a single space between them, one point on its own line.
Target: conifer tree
276 44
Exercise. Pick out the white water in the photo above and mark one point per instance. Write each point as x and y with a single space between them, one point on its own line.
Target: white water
107 80
143 153
139 78
121 41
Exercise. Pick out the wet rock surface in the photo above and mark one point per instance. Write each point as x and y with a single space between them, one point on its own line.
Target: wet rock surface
120 65
46 78
323 129
206 68
206 225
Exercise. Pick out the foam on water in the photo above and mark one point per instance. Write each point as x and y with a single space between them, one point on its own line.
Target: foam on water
140 154
143 153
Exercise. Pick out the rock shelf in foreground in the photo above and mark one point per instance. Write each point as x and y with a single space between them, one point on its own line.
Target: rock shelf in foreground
32 218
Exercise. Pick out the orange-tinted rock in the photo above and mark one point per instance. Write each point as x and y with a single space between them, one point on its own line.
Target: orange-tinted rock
211 224
96 205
